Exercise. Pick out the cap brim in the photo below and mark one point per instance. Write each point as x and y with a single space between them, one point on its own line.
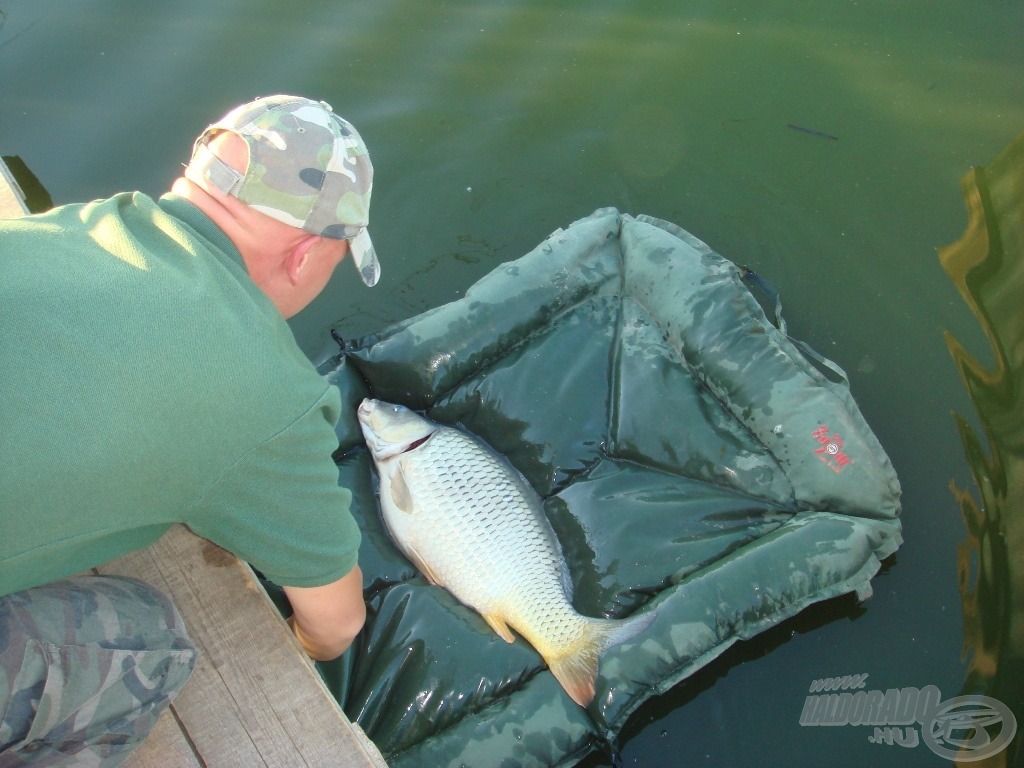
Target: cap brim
365 258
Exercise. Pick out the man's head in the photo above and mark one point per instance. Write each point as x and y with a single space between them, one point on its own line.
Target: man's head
294 161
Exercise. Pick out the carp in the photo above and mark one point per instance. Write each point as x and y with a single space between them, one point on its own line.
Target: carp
471 523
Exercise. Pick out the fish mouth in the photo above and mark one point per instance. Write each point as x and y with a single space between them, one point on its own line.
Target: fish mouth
365 411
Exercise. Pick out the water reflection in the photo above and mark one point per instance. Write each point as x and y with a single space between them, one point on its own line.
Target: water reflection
987 267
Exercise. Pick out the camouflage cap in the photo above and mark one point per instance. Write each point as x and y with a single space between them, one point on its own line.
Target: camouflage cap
308 167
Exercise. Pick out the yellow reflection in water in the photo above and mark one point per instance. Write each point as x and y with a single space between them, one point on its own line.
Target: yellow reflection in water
987 267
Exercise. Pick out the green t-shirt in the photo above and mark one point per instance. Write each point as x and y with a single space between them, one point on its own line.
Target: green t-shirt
145 380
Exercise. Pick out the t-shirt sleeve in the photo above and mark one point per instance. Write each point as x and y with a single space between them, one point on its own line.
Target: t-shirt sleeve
279 506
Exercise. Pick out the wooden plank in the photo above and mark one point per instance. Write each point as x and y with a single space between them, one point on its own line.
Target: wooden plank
166 747
254 698
12 199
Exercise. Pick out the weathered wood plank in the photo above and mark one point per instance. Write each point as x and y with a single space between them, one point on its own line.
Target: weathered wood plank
12 199
166 747
254 698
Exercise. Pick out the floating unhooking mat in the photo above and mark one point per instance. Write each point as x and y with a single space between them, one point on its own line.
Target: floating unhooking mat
691 457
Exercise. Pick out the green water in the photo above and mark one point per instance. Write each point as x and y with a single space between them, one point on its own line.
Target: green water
491 123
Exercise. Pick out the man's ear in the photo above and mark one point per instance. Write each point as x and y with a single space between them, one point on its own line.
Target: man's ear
294 265
297 258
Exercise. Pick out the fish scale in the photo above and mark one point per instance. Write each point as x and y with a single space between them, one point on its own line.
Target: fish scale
472 524
448 464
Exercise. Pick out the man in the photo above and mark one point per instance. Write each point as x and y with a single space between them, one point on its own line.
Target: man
148 377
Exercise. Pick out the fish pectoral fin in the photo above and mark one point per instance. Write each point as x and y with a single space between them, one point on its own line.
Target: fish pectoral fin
400 493
423 566
499 626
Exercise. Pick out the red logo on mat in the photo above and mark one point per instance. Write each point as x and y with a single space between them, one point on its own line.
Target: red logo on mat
831 449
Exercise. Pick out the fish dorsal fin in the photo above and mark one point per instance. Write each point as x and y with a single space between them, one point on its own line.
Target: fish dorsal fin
499 626
566 578
400 493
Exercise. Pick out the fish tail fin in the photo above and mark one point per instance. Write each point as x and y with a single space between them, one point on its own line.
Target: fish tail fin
576 667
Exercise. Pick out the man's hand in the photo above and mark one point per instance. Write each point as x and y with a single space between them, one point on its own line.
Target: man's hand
327 619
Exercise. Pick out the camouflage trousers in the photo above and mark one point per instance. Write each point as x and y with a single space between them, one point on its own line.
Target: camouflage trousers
87 665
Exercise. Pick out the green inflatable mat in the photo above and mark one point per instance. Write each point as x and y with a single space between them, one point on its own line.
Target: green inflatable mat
692 459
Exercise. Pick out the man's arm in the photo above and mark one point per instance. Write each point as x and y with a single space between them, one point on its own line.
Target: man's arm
327 619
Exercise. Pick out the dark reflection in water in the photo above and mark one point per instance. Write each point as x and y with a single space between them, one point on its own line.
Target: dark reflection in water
987 267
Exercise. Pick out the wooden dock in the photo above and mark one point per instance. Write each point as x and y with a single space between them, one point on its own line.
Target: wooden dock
254 700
